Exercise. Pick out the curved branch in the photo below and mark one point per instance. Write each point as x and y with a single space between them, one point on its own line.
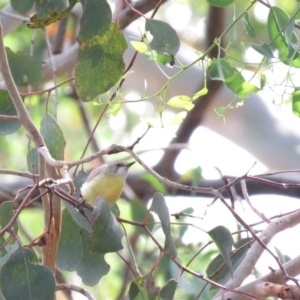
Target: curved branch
292 268
15 96
256 250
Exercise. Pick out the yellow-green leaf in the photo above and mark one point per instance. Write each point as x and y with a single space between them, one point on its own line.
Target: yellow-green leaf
181 101
140 47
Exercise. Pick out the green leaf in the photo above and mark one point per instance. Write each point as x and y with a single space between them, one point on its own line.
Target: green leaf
95 20
234 82
192 175
196 176
139 213
168 291
100 63
78 217
140 47
219 271
224 242
113 109
143 289
22 7
33 161
7 108
45 9
181 101
200 93
7 250
21 277
25 69
245 88
184 228
221 70
247 26
220 3
165 59
288 34
240 243
263 81
282 37
156 184
277 21
49 12
178 118
74 253
160 208
221 111
263 49
107 234
53 137
115 210
280 255
6 214
134 291
233 79
296 102
131 260
165 38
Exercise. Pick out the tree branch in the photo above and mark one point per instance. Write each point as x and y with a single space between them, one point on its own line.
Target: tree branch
256 250
15 96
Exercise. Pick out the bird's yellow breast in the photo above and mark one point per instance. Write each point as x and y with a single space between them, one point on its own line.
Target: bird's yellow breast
106 186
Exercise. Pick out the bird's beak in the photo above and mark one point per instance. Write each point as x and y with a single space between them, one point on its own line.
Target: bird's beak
130 164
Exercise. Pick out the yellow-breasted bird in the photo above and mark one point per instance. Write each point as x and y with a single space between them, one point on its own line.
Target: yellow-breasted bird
106 181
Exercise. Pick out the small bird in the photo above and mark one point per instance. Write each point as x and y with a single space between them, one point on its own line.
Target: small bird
106 181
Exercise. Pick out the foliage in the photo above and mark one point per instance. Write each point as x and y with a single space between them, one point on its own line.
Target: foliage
48 122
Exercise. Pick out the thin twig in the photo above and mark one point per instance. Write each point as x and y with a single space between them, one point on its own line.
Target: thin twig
16 214
75 288
9 118
19 173
168 182
134 10
239 219
247 198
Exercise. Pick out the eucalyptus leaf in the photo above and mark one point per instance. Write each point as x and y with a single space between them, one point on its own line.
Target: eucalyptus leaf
220 3
7 108
224 242
263 49
53 136
181 101
100 62
165 38
160 208
296 102
21 275
140 47
74 253
248 27
107 235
